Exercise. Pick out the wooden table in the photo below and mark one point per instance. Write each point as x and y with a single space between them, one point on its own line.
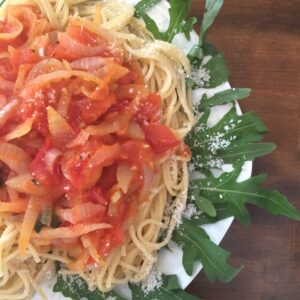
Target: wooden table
261 42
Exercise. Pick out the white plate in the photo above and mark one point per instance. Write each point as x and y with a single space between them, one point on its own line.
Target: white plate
170 262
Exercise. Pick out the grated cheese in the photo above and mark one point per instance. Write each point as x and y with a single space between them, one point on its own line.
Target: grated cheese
200 76
216 142
152 282
191 211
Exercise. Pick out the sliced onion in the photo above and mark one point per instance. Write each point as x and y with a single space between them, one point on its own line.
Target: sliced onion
124 176
99 30
45 79
26 184
148 183
70 232
86 241
89 63
14 157
135 131
80 212
64 102
80 139
16 26
25 15
3 101
6 86
8 111
80 49
114 71
104 128
109 126
58 126
13 195
45 66
20 130
50 158
30 218
105 155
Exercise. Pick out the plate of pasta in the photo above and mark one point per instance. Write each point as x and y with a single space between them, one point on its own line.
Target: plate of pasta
124 155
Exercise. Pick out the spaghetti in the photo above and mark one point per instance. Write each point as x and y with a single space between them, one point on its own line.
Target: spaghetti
93 116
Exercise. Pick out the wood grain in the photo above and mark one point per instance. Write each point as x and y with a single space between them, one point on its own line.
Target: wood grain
261 43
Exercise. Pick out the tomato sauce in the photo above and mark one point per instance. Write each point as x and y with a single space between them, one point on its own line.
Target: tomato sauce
86 124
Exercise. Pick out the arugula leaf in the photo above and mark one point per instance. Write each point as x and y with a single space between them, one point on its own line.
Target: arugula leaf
76 288
178 11
212 8
209 50
210 74
217 70
170 290
222 213
197 246
197 53
232 138
187 27
143 6
223 98
206 206
236 195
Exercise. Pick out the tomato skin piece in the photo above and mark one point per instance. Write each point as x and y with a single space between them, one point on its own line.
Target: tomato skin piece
138 153
39 170
160 137
112 238
6 69
24 56
149 110
82 35
88 110
134 75
84 166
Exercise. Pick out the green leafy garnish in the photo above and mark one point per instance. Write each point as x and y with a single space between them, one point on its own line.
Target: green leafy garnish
179 10
76 288
221 210
206 206
232 138
170 290
2 2
212 8
197 246
197 53
187 27
143 7
210 74
226 190
223 98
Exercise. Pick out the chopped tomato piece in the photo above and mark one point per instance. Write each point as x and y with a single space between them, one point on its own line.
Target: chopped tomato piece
160 137
39 169
113 237
149 110
82 35
83 168
24 56
89 111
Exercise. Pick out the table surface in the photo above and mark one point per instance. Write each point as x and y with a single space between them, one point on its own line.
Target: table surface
261 43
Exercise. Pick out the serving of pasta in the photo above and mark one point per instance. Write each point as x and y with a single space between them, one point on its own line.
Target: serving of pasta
93 116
